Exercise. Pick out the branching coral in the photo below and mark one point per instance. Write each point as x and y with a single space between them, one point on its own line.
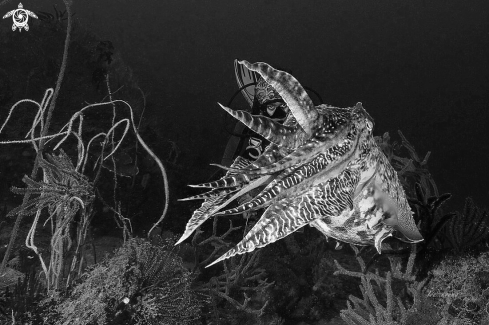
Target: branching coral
242 284
242 274
379 305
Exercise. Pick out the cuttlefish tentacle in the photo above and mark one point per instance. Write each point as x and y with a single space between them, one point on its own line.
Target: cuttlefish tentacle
290 214
291 91
301 155
271 155
210 194
225 182
330 160
228 180
213 205
298 157
286 136
208 208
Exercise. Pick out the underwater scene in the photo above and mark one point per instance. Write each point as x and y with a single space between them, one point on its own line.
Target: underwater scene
244 162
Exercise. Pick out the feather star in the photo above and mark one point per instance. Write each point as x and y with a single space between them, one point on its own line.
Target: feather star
322 168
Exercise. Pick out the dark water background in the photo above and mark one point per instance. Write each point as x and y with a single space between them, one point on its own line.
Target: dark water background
418 66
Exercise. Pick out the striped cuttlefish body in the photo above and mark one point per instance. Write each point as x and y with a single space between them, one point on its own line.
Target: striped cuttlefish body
322 168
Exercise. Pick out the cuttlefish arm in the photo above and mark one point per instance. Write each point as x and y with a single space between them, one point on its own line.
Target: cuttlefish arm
213 205
288 136
290 214
291 91
327 163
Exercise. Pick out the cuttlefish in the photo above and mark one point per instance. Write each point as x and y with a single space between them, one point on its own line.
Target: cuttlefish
322 168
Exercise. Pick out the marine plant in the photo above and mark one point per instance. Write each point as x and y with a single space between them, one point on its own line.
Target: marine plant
455 292
238 295
22 301
141 284
46 107
459 287
60 189
64 190
380 304
65 193
468 229
428 212
412 169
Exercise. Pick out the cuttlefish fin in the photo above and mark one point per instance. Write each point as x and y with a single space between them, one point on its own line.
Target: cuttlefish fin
398 217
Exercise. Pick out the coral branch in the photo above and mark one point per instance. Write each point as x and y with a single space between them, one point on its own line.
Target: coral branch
379 305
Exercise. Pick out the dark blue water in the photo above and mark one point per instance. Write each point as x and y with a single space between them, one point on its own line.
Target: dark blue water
417 66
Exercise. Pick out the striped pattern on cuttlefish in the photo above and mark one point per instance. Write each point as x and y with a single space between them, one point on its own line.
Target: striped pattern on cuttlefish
322 168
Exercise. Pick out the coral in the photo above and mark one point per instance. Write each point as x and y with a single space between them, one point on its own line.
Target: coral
379 305
428 213
412 170
47 125
241 290
22 302
64 192
467 229
61 193
460 288
10 277
141 284
241 276
63 188
456 293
